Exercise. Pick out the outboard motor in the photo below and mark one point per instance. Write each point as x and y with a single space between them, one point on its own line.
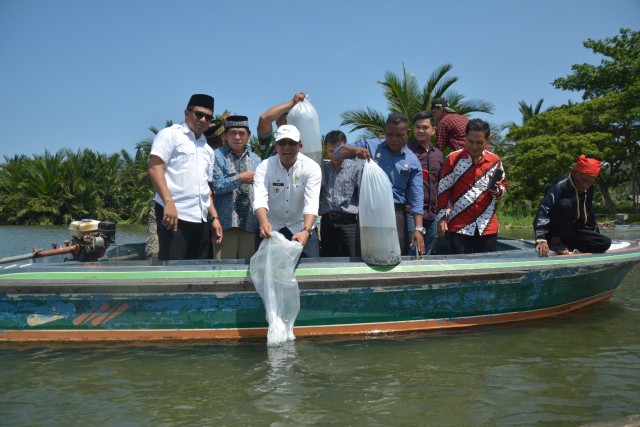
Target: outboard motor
92 238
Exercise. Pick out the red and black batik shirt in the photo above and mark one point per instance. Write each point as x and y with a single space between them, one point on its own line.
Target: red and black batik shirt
463 189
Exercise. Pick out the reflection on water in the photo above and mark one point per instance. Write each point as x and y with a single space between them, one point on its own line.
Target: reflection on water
567 371
280 388
578 368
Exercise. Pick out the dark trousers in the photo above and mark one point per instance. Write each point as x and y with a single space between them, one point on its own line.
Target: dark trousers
573 236
401 227
311 249
463 244
191 241
339 237
430 235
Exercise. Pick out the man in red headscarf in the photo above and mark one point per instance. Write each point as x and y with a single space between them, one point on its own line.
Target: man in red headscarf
565 220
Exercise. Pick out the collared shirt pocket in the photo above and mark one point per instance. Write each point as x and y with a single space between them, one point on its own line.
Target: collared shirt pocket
205 165
183 157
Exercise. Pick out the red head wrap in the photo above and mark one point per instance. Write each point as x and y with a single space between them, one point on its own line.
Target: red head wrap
588 166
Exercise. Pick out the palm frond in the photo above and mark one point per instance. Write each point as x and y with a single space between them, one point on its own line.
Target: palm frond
367 119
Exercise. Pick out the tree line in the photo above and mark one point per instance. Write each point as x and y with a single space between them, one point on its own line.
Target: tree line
58 188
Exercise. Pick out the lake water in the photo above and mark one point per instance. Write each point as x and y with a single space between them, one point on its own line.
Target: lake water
583 367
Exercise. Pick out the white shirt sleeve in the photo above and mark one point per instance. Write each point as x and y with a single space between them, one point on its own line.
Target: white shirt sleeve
163 145
312 189
261 187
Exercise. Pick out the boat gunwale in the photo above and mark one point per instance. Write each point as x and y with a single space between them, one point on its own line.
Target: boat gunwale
311 274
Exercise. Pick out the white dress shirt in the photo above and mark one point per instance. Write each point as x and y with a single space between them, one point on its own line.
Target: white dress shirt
287 195
188 170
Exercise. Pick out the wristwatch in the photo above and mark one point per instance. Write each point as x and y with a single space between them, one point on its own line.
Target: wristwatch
422 230
307 229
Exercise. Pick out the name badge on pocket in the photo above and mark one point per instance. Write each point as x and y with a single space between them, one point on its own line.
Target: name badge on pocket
276 186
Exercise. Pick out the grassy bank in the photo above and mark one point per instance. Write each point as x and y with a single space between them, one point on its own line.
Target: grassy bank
511 220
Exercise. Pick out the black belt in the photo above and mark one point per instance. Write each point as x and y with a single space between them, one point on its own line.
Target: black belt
339 215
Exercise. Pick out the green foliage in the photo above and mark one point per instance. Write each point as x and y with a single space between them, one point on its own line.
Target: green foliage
618 71
549 143
404 95
605 126
61 187
53 189
254 145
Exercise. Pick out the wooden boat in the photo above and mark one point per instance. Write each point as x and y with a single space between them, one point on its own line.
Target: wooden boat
118 299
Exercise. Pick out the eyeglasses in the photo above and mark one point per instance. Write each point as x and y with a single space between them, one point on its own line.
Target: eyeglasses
289 142
199 115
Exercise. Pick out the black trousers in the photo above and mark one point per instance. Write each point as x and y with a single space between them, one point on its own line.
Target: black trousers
401 227
310 250
574 236
191 241
463 244
339 237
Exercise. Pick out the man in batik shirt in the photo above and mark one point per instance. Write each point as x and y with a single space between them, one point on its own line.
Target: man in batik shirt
466 200
233 172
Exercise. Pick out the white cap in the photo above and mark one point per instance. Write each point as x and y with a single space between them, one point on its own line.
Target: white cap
288 132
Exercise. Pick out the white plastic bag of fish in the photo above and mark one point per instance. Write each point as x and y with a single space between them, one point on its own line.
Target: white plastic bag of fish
378 233
272 270
305 117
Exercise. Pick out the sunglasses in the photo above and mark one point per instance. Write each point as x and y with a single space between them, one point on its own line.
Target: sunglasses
289 142
199 115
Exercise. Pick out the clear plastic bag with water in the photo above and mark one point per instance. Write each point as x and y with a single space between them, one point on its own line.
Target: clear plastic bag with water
305 117
272 270
378 233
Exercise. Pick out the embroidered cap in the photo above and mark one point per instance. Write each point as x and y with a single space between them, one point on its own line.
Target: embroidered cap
588 166
216 128
288 132
237 122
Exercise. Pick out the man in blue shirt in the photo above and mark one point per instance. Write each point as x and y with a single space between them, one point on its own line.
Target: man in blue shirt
403 169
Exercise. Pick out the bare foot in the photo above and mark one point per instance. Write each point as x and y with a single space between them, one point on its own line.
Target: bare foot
558 247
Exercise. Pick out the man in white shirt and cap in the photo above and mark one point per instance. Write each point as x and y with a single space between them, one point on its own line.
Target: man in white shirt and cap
180 167
287 192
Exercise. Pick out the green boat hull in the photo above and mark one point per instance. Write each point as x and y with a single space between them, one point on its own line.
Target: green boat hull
209 300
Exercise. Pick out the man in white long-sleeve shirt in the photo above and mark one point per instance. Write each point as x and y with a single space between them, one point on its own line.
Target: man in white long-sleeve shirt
287 192
180 167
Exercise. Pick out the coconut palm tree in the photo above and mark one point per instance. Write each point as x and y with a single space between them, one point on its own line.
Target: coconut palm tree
143 147
12 175
527 112
42 189
93 186
137 187
404 95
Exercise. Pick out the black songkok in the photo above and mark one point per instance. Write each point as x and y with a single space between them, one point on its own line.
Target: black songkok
201 100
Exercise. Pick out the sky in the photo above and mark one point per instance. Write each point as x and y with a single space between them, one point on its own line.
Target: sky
79 74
